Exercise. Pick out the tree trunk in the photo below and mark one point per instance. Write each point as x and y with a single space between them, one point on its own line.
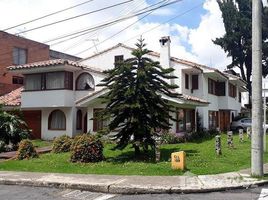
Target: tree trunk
137 151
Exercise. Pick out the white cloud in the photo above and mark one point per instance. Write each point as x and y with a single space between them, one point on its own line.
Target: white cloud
210 28
200 47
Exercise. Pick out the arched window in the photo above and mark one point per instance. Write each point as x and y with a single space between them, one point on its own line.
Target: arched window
85 82
57 120
79 120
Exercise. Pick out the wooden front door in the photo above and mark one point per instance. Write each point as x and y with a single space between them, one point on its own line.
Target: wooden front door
33 120
224 120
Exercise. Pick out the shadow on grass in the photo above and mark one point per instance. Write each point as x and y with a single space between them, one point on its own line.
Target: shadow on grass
149 157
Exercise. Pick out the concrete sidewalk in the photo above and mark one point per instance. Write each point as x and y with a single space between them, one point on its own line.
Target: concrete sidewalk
132 184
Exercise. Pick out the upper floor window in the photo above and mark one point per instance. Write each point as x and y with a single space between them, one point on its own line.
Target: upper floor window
211 86
55 80
19 56
186 81
57 120
33 82
85 82
17 80
118 59
232 90
216 88
49 81
195 82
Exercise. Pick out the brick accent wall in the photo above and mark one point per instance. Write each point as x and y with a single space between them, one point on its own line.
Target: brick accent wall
35 52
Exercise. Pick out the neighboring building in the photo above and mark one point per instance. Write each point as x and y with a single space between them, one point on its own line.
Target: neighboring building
16 50
221 90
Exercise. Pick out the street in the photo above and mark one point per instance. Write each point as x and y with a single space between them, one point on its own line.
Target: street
12 192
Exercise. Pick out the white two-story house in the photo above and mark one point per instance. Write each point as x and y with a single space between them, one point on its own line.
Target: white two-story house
221 90
62 97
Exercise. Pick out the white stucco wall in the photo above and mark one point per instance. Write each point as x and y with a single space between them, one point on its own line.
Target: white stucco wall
47 98
47 134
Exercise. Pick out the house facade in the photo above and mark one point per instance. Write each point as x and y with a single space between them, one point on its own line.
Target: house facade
221 90
62 96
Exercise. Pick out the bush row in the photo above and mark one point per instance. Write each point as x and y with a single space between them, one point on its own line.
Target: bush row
84 148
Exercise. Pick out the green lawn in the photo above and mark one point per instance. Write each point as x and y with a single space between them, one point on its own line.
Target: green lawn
201 159
41 143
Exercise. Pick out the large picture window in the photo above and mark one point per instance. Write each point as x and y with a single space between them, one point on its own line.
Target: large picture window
57 120
85 82
55 80
49 81
33 82
185 120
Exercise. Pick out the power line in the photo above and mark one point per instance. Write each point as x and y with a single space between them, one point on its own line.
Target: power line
155 27
48 15
96 27
103 25
74 17
127 10
124 28
171 19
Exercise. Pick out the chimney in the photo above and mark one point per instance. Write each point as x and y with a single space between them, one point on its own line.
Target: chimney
165 54
165 51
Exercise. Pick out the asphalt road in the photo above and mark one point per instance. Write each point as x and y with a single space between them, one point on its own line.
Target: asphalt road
9 192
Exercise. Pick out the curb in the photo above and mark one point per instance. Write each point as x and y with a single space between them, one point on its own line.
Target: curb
114 189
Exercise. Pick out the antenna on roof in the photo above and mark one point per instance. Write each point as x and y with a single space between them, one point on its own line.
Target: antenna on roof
93 41
18 30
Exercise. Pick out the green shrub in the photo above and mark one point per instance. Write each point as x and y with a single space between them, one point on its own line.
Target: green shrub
61 144
171 138
2 146
12 128
26 150
196 136
86 148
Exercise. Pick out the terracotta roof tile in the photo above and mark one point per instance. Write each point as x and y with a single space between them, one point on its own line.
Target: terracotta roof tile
49 63
12 98
192 98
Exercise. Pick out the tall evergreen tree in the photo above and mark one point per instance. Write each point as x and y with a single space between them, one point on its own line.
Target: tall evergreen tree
134 101
237 41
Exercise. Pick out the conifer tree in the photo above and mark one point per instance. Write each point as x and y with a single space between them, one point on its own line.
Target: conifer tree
237 41
134 102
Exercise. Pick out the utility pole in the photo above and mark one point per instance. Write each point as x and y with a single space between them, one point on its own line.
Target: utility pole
264 118
257 113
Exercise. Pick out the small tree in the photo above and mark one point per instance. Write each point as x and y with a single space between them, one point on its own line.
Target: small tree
12 128
134 101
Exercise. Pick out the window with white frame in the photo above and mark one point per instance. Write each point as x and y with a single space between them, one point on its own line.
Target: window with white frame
57 120
85 81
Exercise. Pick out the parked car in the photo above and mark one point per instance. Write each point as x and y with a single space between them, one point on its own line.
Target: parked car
242 123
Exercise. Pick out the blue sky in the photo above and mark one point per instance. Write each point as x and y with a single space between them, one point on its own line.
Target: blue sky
191 19
191 34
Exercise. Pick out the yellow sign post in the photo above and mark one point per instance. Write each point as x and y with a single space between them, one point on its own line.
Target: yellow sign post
178 160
